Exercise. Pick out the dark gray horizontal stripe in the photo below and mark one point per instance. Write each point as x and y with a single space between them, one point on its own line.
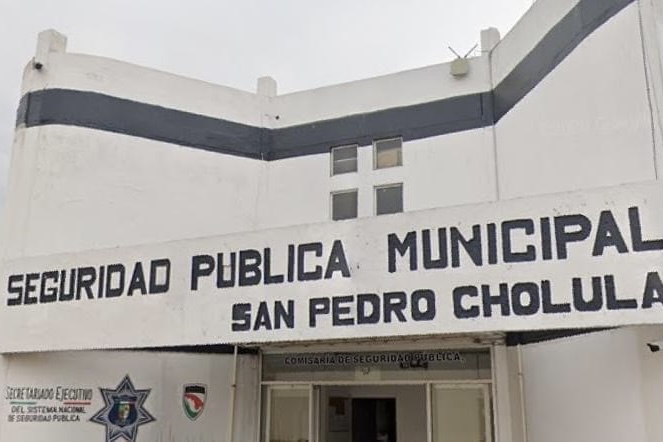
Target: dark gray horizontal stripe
217 349
413 122
118 115
560 41
98 111
533 337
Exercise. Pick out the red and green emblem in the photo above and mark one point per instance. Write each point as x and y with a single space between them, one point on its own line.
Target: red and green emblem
193 400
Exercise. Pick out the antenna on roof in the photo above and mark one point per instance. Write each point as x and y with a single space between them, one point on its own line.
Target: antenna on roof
460 67
463 56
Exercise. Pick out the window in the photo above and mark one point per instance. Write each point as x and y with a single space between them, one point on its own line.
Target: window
388 153
389 199
343 159
344 205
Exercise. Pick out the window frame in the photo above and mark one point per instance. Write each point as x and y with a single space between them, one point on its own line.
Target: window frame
331 158
375 152
331 203
386 186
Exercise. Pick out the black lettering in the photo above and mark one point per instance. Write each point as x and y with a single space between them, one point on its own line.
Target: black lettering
362 301
488 300
317 306
113 292
460 311
201 265
640 245
546 240
517 292
492 243
548 305
428 298
222 282
241 314
337 261
394 302
100 286
29 288
156 266
472 246
14 287
653 290
408 245
249 267
594 304
338 309
85 280
268 277
64 296
608 235
612 303
50 293
286 315
563 236
291 263
137 281
263 319
302 249
507 251
429 263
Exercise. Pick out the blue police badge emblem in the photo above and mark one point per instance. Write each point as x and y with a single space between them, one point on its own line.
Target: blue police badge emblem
123 411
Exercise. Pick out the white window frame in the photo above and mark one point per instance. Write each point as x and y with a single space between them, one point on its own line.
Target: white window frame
331 203
386 186
375 152
331 159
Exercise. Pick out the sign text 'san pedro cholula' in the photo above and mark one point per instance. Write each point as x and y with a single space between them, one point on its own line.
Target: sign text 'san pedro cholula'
574 260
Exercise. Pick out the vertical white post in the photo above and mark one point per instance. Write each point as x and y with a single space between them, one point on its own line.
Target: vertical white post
501 394
259 403
429 412
268 410
521 384
233 387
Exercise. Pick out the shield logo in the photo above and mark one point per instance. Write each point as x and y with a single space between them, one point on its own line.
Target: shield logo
193 400
123 411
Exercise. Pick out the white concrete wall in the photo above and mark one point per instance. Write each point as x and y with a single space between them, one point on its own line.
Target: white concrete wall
600 386
163 373
74 189
587 124
399 89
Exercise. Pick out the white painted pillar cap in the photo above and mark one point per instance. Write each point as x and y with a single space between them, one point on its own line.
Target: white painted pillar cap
489 39
48 42
266 87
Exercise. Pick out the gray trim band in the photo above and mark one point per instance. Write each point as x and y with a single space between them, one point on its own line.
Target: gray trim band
98 111
560 41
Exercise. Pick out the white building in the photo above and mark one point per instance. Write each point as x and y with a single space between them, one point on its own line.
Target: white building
174 270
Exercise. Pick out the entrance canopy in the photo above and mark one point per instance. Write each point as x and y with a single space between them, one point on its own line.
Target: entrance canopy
573 260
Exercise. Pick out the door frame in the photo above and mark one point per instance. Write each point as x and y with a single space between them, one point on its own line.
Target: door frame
315 410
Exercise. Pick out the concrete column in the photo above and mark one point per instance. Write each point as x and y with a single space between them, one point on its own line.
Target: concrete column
48 42
489 39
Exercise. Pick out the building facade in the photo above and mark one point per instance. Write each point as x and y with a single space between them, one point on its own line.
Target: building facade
466 251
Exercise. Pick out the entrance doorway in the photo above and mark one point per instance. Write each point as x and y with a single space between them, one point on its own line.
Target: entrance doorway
378 413
388 396
373 420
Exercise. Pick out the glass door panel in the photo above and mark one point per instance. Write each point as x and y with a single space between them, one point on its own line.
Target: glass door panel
289 415
460 413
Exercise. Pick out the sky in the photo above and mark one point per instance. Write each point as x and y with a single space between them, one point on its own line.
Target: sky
302 44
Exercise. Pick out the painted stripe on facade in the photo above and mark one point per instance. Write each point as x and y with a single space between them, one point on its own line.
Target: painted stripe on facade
98 111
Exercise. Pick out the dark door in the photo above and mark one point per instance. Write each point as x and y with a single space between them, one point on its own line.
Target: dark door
373 420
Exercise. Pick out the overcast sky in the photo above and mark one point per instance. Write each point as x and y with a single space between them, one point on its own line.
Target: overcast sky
301 43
